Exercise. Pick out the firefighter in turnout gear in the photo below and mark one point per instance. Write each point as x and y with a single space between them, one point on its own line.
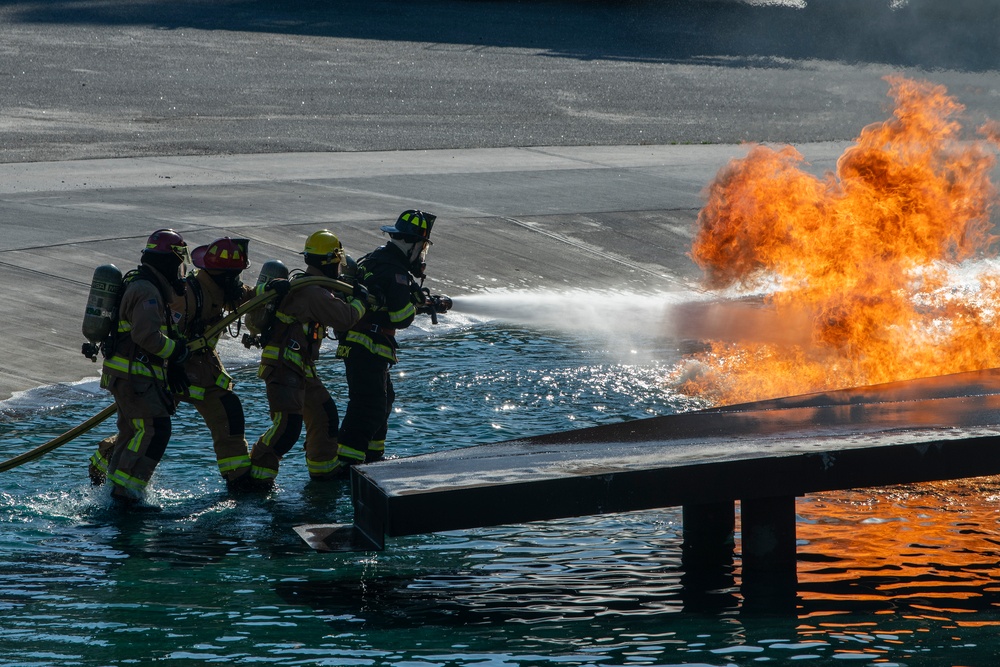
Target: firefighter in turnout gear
369 348
291 345
212 291
145 359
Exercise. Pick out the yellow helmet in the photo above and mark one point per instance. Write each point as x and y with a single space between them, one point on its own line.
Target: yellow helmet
325 246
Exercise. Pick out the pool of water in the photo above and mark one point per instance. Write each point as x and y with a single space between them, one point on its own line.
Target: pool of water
900 576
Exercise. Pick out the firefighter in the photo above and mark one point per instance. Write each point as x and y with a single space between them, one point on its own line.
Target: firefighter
145 360
212 290
368 349
291 345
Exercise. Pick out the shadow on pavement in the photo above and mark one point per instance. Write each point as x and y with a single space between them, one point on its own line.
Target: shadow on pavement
959 34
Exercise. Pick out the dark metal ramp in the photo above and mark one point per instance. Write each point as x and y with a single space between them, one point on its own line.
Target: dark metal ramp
762 454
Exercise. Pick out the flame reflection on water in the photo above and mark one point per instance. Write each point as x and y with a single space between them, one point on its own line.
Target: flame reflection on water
928 548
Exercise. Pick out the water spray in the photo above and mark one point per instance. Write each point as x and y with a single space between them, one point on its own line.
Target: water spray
677 316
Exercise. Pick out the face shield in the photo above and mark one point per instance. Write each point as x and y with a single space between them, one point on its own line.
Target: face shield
181 251
418 253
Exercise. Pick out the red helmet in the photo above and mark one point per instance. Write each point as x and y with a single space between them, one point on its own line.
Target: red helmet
166 241
223 254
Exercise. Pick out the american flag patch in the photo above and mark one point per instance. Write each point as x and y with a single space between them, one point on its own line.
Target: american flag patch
402 279
152 303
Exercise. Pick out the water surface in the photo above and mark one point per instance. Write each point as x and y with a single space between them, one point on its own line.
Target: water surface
900 576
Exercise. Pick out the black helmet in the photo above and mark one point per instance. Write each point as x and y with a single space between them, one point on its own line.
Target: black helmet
412 225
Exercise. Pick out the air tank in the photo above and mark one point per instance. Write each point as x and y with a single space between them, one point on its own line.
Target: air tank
271 269
102 303
101 315
256 320
349 269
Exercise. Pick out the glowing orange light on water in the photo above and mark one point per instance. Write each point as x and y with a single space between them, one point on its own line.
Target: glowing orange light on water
864 253
927 548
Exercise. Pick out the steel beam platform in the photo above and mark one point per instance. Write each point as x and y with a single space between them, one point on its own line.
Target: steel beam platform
761 454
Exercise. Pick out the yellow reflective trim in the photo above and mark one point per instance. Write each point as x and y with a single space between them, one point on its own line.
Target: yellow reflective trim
403 313
322 467
234 463
198 393
367 343
167 349
224 380
99 462
121 364
124 326
343 451
294 357
116 363
140 431
260 472
127 481
269 434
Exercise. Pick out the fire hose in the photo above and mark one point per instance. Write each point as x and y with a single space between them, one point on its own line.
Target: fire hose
196 344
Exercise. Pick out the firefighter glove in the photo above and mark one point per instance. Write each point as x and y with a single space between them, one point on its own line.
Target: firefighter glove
360 293
180 354
177 379
280 286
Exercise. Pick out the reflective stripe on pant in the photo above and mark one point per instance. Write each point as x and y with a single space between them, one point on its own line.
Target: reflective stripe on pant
223 414
101 459
322 422
295 400
376 451
275 443
143 433
369 403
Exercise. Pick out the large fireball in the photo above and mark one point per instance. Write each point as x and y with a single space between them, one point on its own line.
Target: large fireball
863 256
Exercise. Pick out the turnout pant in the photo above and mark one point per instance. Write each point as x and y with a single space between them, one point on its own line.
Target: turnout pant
295 400
369 402
223 414
143 434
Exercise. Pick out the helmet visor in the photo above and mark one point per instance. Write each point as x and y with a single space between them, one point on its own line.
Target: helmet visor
332 257
181 250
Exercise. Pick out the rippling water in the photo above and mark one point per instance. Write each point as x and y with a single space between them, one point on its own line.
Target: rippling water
901 576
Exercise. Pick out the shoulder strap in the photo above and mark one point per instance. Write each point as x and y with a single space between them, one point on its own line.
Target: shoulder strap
143 273
198 321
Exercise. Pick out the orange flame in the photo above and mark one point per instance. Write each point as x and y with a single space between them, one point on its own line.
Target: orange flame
865 252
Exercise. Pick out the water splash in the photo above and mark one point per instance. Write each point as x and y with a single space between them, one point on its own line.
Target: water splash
23 404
